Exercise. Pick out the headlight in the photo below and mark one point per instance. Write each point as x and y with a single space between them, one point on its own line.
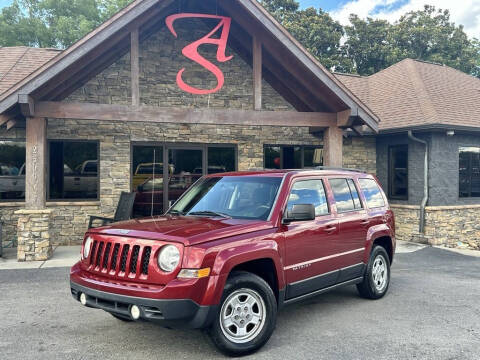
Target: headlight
168 258
86 247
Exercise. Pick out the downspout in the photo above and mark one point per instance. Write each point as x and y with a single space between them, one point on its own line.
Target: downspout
425 183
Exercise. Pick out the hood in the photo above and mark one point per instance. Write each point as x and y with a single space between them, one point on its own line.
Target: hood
189 230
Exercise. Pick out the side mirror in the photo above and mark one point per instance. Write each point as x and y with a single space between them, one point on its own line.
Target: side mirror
299 212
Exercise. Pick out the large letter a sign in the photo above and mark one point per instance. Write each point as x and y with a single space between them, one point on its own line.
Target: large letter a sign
191 51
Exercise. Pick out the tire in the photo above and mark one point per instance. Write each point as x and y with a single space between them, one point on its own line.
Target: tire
251 327
375 286
122 318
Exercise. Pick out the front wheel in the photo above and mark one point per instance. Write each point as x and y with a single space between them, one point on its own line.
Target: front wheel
377 276
246 317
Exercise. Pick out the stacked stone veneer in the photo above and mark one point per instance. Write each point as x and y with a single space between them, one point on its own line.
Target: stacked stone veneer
34 235
161 59
444 225
360 153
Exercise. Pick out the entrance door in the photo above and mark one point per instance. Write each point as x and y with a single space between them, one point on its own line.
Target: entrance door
185 166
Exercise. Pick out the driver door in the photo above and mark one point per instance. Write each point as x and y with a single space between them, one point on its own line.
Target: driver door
308 244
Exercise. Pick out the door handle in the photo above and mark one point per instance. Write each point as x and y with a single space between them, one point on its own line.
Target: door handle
365 222
330 228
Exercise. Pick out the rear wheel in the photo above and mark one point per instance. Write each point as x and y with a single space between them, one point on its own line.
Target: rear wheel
377 276
246 317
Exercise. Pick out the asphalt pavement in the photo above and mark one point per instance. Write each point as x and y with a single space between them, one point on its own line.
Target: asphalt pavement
432 311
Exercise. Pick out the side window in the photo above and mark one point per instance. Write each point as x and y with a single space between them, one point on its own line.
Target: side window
353 190
342 194
372 193
309 192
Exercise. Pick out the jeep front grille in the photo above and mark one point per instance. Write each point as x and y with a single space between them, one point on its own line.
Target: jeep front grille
119 258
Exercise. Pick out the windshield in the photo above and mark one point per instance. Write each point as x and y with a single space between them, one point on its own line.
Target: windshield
239 197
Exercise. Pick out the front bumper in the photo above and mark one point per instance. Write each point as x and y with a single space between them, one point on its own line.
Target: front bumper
184 313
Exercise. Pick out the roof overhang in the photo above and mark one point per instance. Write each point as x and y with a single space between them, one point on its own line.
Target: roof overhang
121 24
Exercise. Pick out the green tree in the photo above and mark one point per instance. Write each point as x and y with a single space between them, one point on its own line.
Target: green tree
370 45
427 35
53 23
315 29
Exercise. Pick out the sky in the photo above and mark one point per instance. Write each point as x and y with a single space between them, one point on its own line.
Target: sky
465 12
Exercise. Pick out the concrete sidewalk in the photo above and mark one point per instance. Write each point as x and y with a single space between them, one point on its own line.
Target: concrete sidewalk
63 256
67 256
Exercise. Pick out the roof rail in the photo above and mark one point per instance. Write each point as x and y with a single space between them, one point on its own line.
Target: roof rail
338 168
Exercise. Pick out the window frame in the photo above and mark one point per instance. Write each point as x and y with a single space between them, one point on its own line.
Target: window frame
391 171
346 178
300 179
18 201
465 198
48 198
302 156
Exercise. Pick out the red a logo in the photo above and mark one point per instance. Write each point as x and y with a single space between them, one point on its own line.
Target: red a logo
191 51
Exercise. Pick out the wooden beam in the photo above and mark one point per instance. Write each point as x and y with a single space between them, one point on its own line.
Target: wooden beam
257 73
27 105
36 148
135 67
333 147
344 120
84 111
4 119
11 124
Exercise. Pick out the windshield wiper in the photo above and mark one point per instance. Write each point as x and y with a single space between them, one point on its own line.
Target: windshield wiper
176 212
209 213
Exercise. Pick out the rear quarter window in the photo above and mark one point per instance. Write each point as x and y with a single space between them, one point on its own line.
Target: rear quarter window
372 193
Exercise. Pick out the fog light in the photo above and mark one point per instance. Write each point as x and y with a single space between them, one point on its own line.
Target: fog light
135 312
83 299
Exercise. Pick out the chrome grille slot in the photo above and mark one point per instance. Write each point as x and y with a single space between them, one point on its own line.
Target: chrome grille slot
92 254
123 260
147 251
134 259
113 265
99 253
107 255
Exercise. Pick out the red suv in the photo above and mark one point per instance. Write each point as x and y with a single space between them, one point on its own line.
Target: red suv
236 247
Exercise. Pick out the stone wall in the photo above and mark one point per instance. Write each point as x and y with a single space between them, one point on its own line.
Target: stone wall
70 219
34 235
360 153
161 59
444 225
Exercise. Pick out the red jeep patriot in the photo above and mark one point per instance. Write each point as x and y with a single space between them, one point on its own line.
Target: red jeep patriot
236 247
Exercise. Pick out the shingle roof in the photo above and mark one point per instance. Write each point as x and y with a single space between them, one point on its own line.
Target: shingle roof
415 93
16 63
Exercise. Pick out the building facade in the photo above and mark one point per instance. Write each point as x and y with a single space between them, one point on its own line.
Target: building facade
102 118
168 91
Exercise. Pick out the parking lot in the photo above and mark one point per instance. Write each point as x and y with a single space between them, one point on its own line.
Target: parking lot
432 311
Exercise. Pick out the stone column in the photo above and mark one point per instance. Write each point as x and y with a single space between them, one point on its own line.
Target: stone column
34 235
33 230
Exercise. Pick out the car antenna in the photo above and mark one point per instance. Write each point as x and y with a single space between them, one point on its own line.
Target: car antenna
153 181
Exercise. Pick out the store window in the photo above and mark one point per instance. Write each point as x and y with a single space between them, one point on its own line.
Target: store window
185 165
12 170
73 170
398 172
469 171
292 157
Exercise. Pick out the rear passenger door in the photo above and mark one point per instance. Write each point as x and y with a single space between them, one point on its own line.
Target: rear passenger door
309 244
353 226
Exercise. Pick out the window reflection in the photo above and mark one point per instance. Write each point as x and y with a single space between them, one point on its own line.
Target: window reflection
12 170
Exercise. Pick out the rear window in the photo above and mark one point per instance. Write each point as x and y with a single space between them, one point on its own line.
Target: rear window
345 194
372 192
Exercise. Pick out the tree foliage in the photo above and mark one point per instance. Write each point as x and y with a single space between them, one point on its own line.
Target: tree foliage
53 23
365 46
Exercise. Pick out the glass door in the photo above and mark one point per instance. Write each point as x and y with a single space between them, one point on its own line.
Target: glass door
185 166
